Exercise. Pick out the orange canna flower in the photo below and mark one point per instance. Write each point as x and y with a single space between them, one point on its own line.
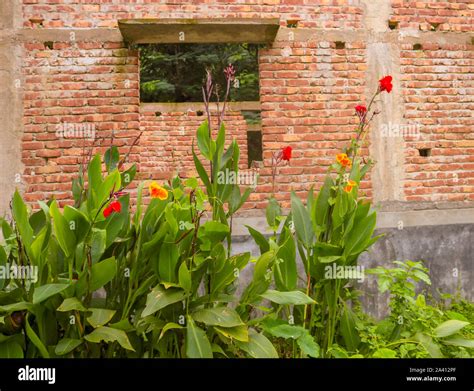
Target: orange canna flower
156 191
343 160
350 185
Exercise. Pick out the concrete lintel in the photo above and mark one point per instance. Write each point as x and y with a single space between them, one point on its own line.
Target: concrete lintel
66 35
195 106
221 30
365 35
399 219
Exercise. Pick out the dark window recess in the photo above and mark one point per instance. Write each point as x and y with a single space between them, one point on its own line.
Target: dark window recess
340 45
292 24
254 147
176 72
425 152
392 25
417 46
48 44
199 113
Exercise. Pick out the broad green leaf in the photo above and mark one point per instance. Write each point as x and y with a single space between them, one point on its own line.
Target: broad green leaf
98 244
66 345
292 297
204 140
108 334
261 241
273 213
35 340
239 333
184 277
449 327
71 304
349 330
169 326
102 273
459 341
44 292
22 305
168 260
11 349
160 298
302 221
218 316
62 230
285 269
427 342
111 158
100 316
308 345
385 353
197 343
258 346
20 214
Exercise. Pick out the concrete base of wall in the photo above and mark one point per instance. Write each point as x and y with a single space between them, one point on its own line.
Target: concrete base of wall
446 250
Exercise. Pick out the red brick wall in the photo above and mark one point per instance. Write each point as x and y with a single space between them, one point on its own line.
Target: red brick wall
166 141
105 13
438 90
453 15
308 93
84 85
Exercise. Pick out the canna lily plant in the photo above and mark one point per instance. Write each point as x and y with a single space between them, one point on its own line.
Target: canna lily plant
328 233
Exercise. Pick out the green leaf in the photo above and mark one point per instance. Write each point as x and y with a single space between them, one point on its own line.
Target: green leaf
184 277
261 241
285 269
108 334
11 349
160 298
168 260
302 221
459 341
100 316
35 340
197 343
218 316
292 297
20 214
22 305
97 244
348 329
62 230
102 273
449 327
258 346
385 353
169 326
71 304
360 235
111 158
308 345
204 140
66 345
427 342
44 292
239 333
273 213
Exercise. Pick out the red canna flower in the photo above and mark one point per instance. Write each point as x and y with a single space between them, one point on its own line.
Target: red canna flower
108 211
361 110
116 206
385 84
286 153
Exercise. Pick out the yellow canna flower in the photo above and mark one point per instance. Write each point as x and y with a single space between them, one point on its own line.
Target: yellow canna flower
156 191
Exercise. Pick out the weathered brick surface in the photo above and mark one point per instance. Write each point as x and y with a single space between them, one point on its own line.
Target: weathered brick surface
105 13
308 92
84 86
453 15
439 97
